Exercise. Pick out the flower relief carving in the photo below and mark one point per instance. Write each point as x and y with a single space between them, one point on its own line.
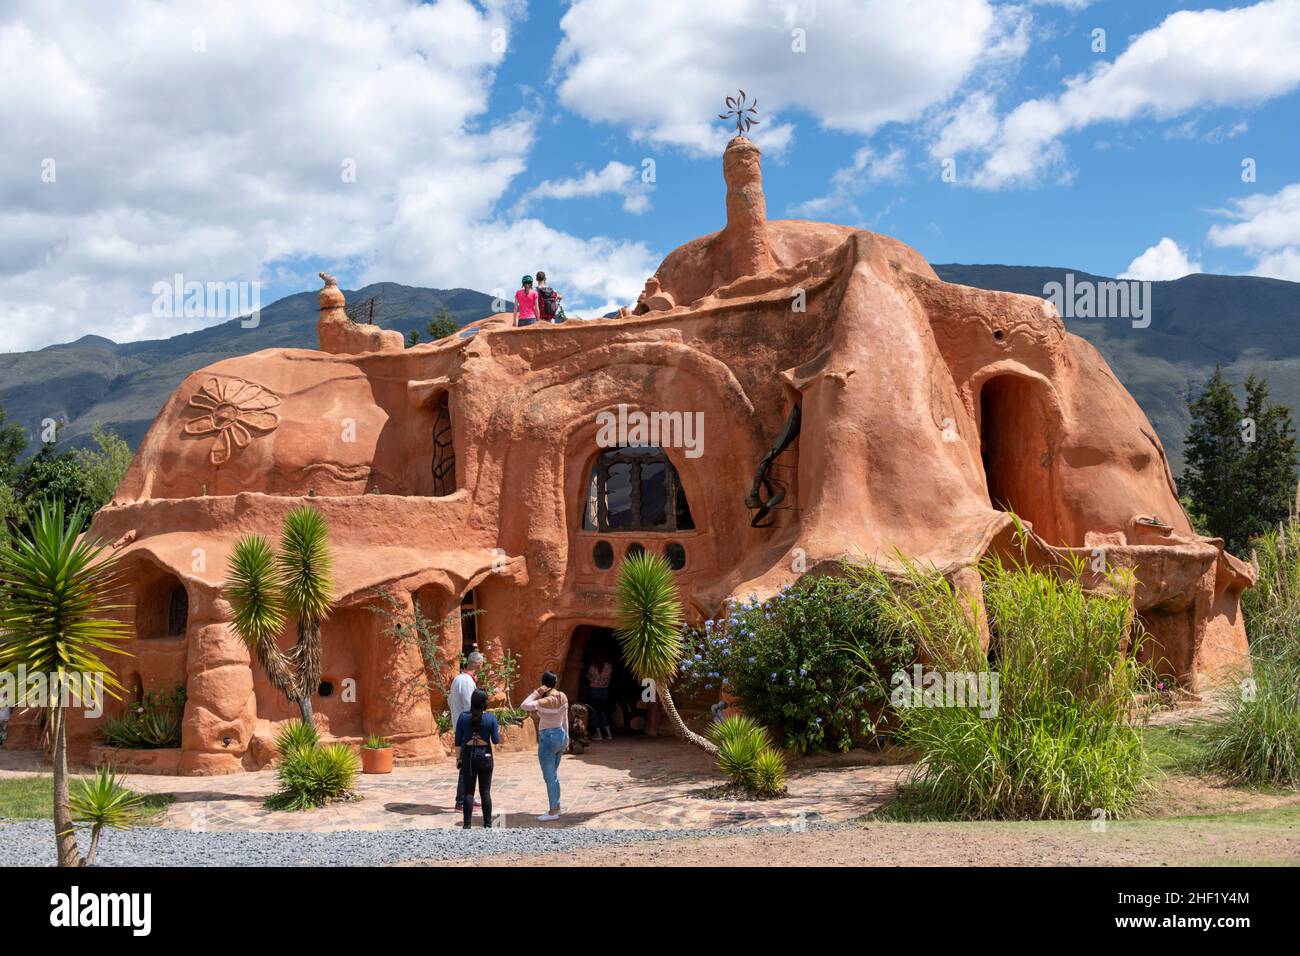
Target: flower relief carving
234 411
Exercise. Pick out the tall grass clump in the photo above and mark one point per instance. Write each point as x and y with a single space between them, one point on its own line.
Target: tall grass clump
1258 742
1055 737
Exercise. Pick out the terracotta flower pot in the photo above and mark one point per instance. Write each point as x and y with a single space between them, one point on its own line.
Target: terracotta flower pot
376 759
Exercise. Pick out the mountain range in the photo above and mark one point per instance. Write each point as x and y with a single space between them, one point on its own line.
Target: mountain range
1245 323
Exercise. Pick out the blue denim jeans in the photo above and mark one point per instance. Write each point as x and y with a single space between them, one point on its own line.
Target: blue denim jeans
550 748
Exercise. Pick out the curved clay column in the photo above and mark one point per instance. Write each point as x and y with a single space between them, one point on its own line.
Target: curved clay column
743 243
220 703
394 702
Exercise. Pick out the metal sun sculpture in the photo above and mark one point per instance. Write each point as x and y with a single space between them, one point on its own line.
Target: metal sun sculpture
745 114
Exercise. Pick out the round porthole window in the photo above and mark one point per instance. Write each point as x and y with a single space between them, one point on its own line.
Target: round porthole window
326 689
603 555
634 548
676 556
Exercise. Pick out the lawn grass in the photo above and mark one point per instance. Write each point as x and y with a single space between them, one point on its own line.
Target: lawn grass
1176 748
32 798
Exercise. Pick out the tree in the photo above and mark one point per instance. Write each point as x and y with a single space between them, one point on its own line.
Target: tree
412 338
13 442
266 587
53 475
1241 467
103 466
57 590
1269 463
443 324
650 631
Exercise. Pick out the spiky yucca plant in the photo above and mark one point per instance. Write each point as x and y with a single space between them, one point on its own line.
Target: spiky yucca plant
650 630
57 592
266 587
769 773
102 802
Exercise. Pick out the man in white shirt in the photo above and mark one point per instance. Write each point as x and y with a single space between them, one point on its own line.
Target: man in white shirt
458 698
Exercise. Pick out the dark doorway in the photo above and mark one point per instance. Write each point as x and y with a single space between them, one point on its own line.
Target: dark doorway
1014 426
629 715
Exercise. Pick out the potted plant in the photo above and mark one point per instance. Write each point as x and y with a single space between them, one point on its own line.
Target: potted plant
377 755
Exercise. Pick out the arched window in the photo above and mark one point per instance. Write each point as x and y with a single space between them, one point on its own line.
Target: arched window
178 611
635 489
444 452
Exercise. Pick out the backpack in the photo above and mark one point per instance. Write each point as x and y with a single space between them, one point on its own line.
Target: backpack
547 303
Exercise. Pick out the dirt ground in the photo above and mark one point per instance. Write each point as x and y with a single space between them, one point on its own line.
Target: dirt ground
1181 842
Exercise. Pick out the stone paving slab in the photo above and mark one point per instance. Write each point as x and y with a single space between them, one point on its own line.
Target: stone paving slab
628 783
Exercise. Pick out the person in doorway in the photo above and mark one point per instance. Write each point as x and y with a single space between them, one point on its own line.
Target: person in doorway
552 709
548 301
476 732
459 697
599 673
525 303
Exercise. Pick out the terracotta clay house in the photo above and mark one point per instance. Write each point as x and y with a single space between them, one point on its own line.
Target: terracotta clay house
844 401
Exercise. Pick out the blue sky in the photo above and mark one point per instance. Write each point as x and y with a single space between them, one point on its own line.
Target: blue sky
488 139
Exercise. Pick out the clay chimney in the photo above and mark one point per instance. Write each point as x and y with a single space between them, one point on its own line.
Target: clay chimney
744 240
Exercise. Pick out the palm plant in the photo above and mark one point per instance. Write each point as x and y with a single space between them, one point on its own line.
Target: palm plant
650 630
57 590
101 801
266 587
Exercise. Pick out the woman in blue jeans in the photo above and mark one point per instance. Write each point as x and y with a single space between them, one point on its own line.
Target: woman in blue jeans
552 710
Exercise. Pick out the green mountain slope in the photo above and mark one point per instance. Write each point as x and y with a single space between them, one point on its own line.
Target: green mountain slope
1246 323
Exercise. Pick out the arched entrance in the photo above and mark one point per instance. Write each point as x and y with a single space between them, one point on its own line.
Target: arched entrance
629 715
1014 427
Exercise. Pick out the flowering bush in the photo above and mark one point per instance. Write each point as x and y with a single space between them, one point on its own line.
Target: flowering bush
791 660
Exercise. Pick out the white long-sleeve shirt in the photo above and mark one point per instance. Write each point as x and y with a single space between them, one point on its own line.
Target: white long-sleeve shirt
459 694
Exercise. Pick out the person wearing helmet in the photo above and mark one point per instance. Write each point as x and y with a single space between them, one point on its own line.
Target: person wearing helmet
526 303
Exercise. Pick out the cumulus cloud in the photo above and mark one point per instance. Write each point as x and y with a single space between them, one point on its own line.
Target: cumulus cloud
1164 261
868 168
146 140
1190 60
853 64
618 178
1266 226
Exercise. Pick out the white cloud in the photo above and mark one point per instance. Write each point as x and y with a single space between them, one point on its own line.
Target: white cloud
616 177
1266 226
225 163
868 169
1164 261
1190 60
867 62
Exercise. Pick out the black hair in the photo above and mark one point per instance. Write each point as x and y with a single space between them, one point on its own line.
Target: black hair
549 679
541 276
477 704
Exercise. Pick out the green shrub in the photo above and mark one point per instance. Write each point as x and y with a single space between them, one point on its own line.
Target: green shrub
769 773
294 736
739 740
376 742
788 659
313 776
1258 742
1061 742
151 723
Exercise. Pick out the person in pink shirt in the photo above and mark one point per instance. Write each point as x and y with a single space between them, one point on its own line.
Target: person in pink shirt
526 303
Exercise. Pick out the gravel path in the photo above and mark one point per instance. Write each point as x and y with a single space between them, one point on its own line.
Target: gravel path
31 843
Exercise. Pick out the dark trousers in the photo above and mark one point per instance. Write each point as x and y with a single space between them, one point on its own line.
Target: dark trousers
476 770
598 698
